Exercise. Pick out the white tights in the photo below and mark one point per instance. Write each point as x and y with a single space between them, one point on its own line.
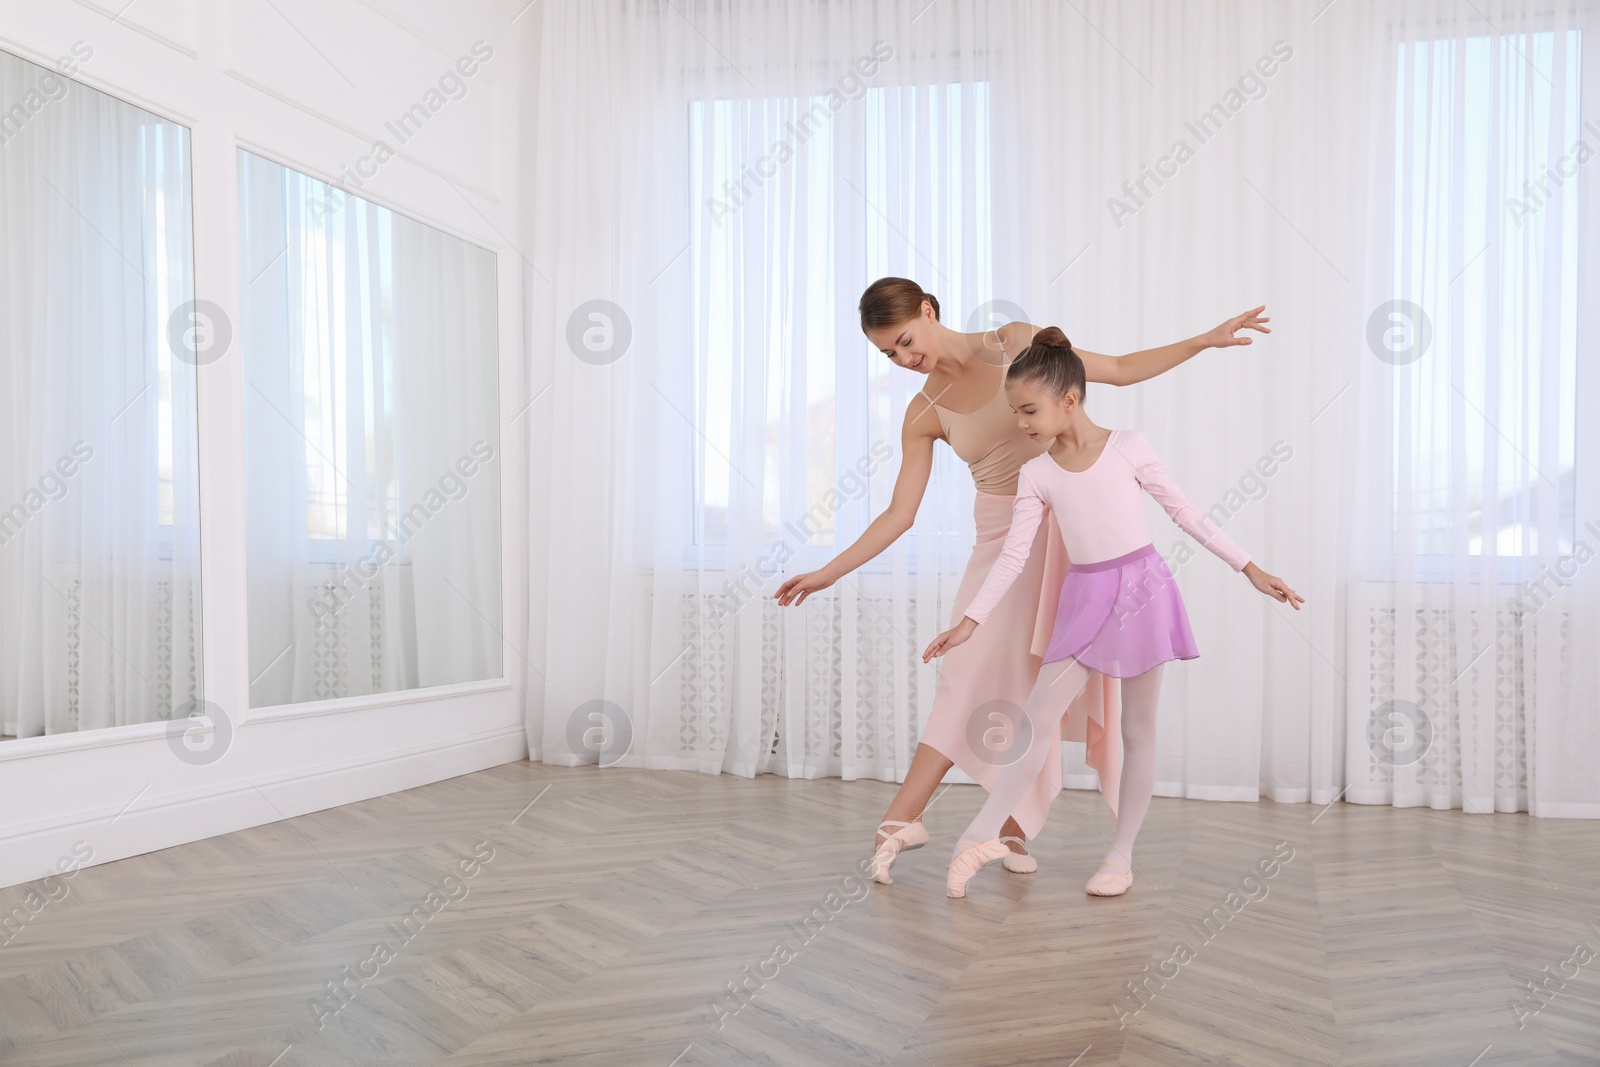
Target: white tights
1058 684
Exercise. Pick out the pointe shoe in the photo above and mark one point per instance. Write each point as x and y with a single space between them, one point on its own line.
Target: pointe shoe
1110 883
1018 862
959 871
910 835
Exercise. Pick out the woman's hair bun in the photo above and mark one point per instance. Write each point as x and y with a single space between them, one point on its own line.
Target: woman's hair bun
893 302
1052 337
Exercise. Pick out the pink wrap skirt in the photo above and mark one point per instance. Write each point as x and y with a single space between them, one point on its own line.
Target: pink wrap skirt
1001 662
1121 616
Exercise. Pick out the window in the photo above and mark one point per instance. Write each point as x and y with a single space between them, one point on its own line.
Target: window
769 253
1486 243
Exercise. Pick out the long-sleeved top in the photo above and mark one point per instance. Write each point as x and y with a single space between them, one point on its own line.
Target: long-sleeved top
1099 511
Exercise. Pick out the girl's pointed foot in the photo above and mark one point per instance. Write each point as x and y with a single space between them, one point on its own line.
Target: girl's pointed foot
891 843
959 871
1018 862
1110 883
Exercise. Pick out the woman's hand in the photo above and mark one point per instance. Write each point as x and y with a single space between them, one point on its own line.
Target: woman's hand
796 589
1273 586
1224 336
950 639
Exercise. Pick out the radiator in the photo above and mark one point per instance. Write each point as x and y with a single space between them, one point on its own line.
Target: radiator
803 652
1476 702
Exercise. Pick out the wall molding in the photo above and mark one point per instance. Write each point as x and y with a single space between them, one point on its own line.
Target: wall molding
129 18
405 24
136 733
342 705
285 159
366 140
28 851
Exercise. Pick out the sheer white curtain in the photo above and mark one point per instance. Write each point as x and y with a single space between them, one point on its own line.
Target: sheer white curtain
1175 164
1134 173
372 477
99 546
730 178
1474 588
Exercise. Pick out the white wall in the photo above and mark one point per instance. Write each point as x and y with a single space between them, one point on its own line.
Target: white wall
310 83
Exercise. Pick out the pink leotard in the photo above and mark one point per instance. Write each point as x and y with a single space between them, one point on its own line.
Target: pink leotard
1100 512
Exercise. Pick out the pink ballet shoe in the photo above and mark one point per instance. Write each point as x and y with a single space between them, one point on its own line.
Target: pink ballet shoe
1018 862
959 871
910 835
1110 883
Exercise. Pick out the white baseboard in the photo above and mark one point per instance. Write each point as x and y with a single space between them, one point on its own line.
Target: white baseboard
29 852
1567 811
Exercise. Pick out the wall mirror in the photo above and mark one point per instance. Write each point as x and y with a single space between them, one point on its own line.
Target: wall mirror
99 341
372 446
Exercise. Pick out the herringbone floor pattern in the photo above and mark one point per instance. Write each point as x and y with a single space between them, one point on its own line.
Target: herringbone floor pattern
679 919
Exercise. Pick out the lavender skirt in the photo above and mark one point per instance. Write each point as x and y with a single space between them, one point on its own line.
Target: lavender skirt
1121 616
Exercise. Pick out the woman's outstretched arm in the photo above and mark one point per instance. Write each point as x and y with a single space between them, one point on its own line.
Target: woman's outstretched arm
920 430
1146 364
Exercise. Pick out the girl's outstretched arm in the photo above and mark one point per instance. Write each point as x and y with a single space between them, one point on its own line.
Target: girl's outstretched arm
1027 511
917 434
1146 364
1154 479
1273 586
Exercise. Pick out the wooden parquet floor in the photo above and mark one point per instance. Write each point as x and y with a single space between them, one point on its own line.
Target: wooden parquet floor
532 914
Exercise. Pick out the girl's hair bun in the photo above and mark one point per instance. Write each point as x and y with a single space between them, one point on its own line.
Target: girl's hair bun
1052 337
1051 362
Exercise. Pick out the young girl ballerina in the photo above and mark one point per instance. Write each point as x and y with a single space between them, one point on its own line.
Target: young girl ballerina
1119 612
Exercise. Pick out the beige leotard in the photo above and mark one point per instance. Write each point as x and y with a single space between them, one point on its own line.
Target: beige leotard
988 441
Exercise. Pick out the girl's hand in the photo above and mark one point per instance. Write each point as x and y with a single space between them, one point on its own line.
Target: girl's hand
1273 586
796 589
950 639
1223 336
